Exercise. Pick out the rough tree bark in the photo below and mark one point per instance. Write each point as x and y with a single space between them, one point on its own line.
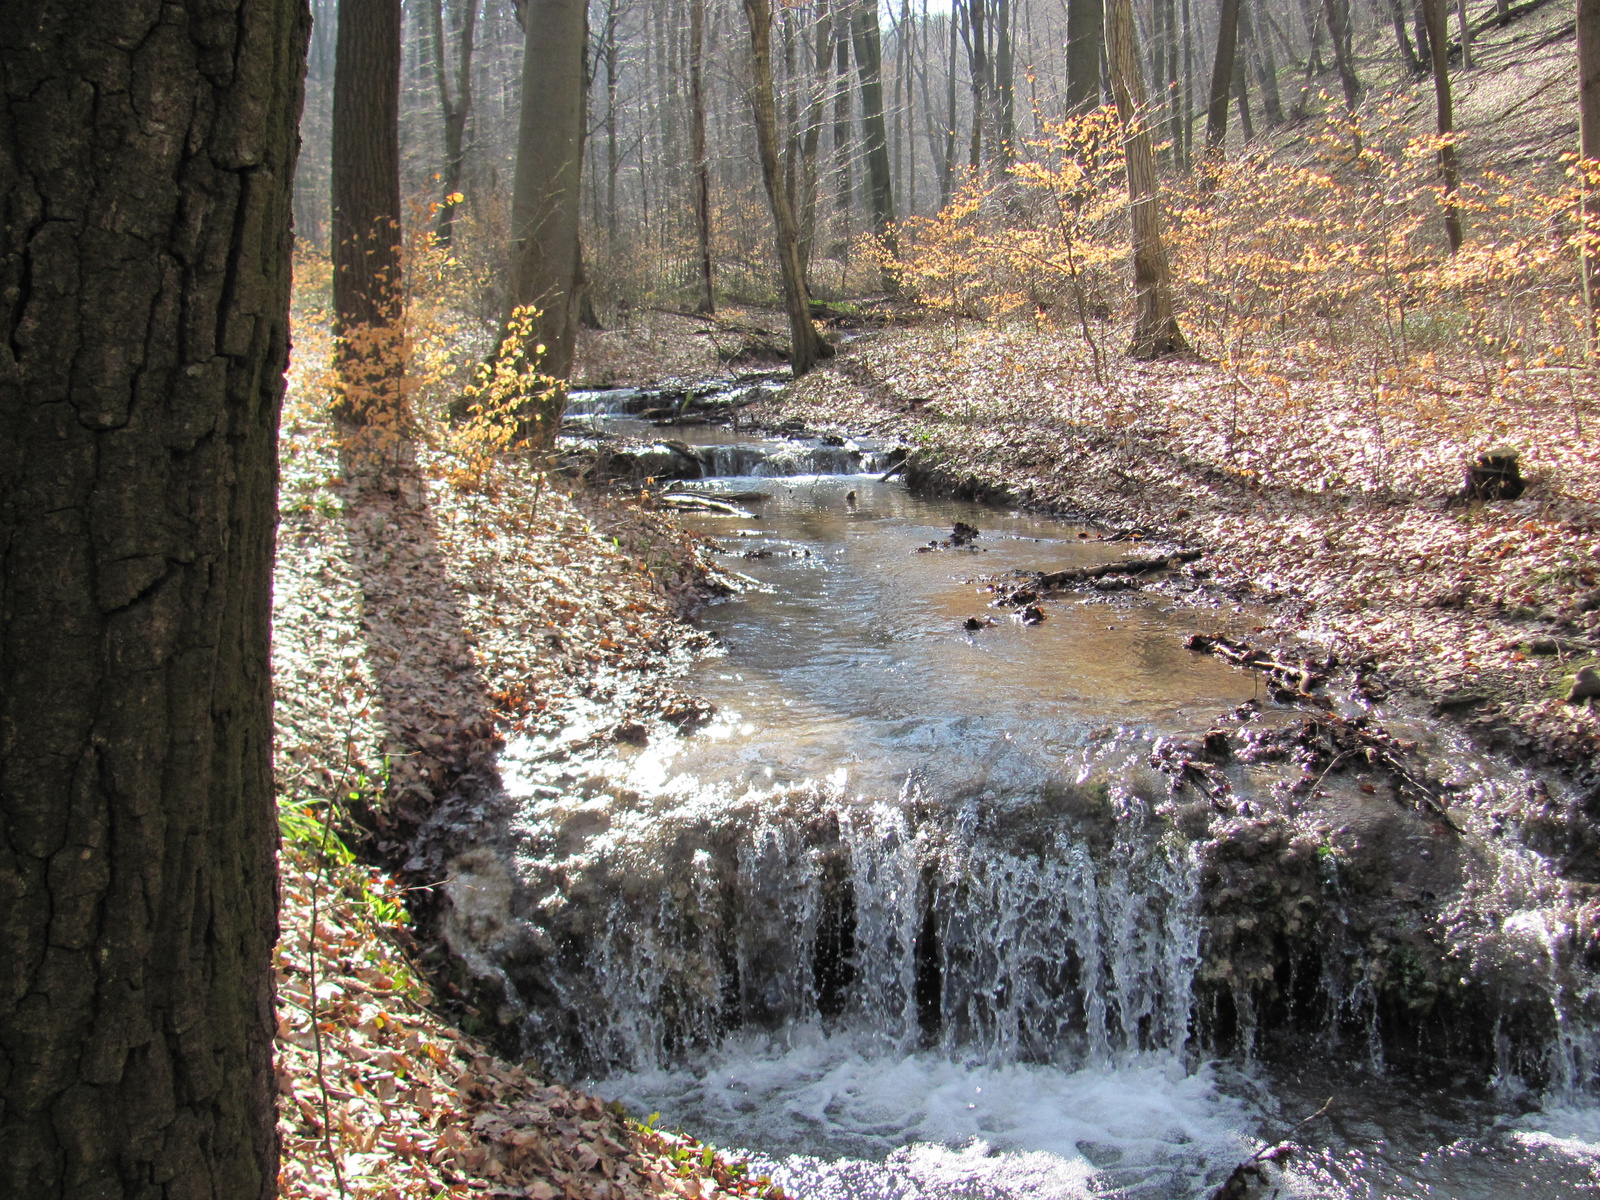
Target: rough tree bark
1589 148
368 297
806 345
1085 34
455 110
545 197
1439 43
702 168
1156 330
146 157
1222 68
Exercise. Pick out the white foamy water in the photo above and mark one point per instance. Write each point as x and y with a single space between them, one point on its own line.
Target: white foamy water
834 1121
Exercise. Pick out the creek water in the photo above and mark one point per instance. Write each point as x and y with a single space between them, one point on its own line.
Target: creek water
903 921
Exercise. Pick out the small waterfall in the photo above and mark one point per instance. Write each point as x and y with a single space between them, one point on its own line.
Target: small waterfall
913 932
775 460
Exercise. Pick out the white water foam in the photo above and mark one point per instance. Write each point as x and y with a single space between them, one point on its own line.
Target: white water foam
834 1120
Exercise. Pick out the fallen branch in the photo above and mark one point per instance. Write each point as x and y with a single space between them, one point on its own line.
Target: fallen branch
1027 594
1237 1185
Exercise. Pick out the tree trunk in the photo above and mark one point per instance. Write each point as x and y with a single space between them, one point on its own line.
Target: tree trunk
702 168
1466 35
454 111
806 347
1589 150
1338 28
947 180
869 56
821 61
1408 56
1085 34
1266 67
1005 84
145 174
1188 88
1156 329
841 127
1439 40
1241 74
613 161
546 195
1222 78
368 296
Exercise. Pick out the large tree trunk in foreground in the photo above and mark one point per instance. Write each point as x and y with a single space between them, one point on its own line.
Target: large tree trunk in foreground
806 346
1439 41
546 197
1156 330
145 172
1589 148
368 298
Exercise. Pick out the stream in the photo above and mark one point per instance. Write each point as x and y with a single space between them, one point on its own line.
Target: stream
914 914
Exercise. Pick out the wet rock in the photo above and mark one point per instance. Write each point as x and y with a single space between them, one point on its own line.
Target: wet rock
963 533
1495 476
631 732
973 624
1216 746
1585 683
1032 615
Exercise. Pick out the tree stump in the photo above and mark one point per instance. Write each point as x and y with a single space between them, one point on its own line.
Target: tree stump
1495 476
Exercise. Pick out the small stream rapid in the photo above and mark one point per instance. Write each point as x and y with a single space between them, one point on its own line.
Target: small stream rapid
912 915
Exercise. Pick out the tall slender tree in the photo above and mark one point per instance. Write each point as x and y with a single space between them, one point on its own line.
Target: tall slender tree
1085 35
146 159
546 196
702 168
368 293
456 108
1439 41
1156 330
1589 151
868 45
1222 70
1339 33
806 345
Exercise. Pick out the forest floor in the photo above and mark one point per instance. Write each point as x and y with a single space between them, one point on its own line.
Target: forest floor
413 630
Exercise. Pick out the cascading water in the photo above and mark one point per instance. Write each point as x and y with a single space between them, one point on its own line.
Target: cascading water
917 916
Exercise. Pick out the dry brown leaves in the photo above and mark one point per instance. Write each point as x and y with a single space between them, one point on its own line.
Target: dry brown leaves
1306 492
411 634
402 1105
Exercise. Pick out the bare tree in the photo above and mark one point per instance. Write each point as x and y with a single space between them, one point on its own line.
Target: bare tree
456 109
1589 151
1156 330
702 169
868 45
1438 39
1339 31
1222 77
145 269
1085 35
806 345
